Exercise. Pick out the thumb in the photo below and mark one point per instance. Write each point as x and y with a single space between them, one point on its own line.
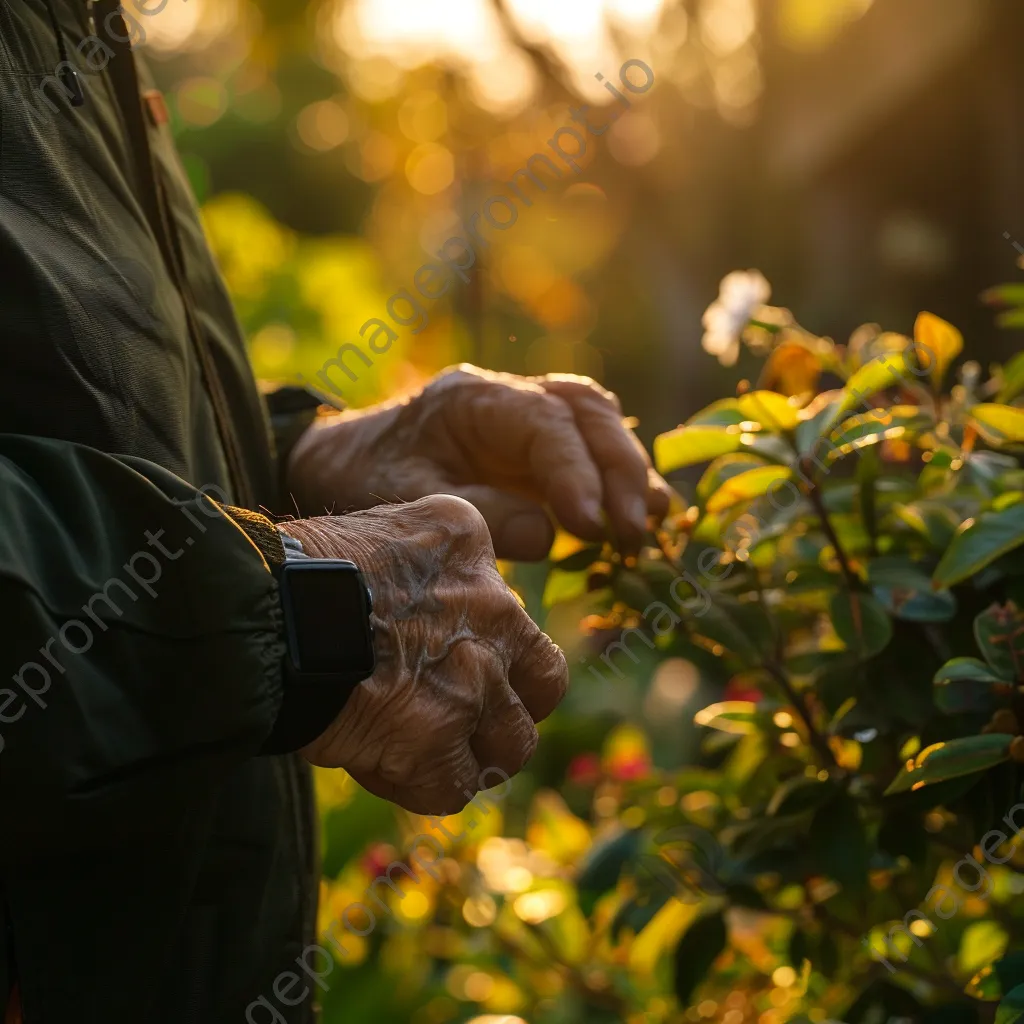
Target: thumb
521 530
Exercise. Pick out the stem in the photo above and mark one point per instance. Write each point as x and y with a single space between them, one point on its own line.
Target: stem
775 669
818 741
814 495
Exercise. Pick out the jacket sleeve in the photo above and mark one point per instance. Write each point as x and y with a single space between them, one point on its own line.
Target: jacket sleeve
142 646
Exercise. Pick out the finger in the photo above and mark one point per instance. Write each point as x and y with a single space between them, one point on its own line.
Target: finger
526 427
505 737
444 783
520 529
538 673
659 495
620 457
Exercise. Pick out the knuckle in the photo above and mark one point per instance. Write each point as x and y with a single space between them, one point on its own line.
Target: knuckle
556 409
457 513
449 379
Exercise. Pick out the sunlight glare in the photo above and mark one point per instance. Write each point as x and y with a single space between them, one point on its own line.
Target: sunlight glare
635 15
545 21
417 31
192 26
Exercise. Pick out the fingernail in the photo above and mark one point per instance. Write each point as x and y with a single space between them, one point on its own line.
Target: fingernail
591 510
637 511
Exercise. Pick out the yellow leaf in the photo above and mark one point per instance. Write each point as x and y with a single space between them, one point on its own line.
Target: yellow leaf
873 377
772 410
937 344
751 484
565 545
685 446
661 934
998 424
735 716
555 830
792 369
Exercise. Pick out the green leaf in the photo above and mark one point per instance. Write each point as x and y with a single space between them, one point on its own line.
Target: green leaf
579 560
743 629
966 696
999 632
992 470
1011 1008
686 446
950 760
861 622
934 521
981 943
695 954
1004 295
564 586
899 571
916 605
603 866
1013 318
980 542
816 419
998 424
906 592
1013 379
632 590
959 669
866 429
747 486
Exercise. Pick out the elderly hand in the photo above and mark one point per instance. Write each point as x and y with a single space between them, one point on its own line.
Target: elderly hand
462 673
512 446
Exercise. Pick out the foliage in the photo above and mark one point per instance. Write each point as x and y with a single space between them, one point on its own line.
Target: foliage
842 594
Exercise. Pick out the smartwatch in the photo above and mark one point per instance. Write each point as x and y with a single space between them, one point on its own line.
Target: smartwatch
328 642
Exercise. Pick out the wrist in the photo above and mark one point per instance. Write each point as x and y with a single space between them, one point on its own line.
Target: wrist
334 537
329 639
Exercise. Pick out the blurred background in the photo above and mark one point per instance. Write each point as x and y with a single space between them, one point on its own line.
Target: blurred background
866 155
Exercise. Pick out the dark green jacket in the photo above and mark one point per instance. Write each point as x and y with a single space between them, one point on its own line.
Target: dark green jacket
153 867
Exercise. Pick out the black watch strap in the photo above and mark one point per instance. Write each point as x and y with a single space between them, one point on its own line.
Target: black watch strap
310 704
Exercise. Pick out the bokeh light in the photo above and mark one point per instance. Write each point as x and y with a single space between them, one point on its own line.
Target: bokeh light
322 125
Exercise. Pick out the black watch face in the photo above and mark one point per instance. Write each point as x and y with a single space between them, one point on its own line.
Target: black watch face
327 609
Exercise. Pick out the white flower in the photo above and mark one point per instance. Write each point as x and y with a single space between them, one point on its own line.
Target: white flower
740 295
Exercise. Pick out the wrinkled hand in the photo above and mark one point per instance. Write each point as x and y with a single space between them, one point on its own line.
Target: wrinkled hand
513 446
462 673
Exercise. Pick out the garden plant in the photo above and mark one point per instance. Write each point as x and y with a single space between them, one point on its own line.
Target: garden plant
838 596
